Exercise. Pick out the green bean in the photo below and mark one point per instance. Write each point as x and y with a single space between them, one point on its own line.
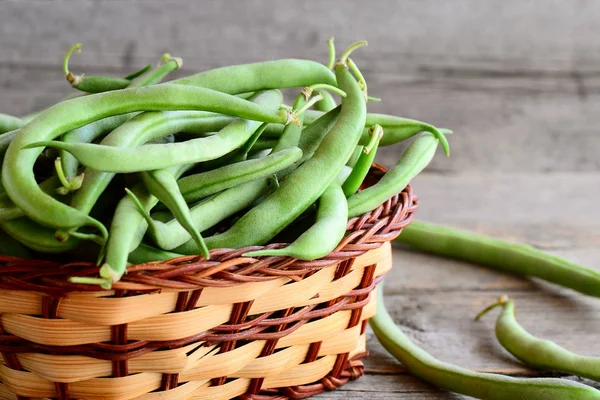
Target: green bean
499 254
542 354
364 162
476 384
324 236
91 84
205 215
413 161
87 134
303 186
145 254
355 156
343 176
17 174
9 123
163 185
139 72
12 247
277 74
313 134
36 237
195 187
167 65
327 104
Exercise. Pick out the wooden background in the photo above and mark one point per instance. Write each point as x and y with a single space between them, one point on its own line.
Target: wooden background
518 81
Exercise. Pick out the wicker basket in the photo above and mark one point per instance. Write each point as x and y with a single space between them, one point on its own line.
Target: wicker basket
269 328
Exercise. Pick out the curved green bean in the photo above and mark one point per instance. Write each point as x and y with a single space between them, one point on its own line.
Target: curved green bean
195 187
324 236
92 84
476 384
542 354
503 255
364 162
167 65
413 161
277 74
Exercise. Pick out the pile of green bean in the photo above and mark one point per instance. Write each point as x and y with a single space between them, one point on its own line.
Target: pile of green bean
132 170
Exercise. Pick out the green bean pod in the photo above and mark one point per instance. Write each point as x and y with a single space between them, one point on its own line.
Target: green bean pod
196 187
538 353
17 174
364 162
412 162
36 237
502 255
172 236
459 380
277 74
324 236
167 65
303 186
9 123
12 247
313 134
163 185
145 254
327 104
96 84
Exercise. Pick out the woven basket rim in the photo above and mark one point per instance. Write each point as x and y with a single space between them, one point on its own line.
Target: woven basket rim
227 267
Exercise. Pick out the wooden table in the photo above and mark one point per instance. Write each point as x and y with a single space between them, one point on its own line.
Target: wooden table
518 82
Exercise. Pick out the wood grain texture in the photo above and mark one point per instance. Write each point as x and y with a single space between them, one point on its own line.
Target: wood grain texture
518 83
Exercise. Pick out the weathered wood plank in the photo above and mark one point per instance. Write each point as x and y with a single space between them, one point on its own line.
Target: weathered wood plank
511 79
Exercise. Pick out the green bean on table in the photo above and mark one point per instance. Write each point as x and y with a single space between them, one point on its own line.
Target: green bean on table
538 353
476 384
500 254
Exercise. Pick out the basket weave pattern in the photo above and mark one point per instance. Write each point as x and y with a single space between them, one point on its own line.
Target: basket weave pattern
268 328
